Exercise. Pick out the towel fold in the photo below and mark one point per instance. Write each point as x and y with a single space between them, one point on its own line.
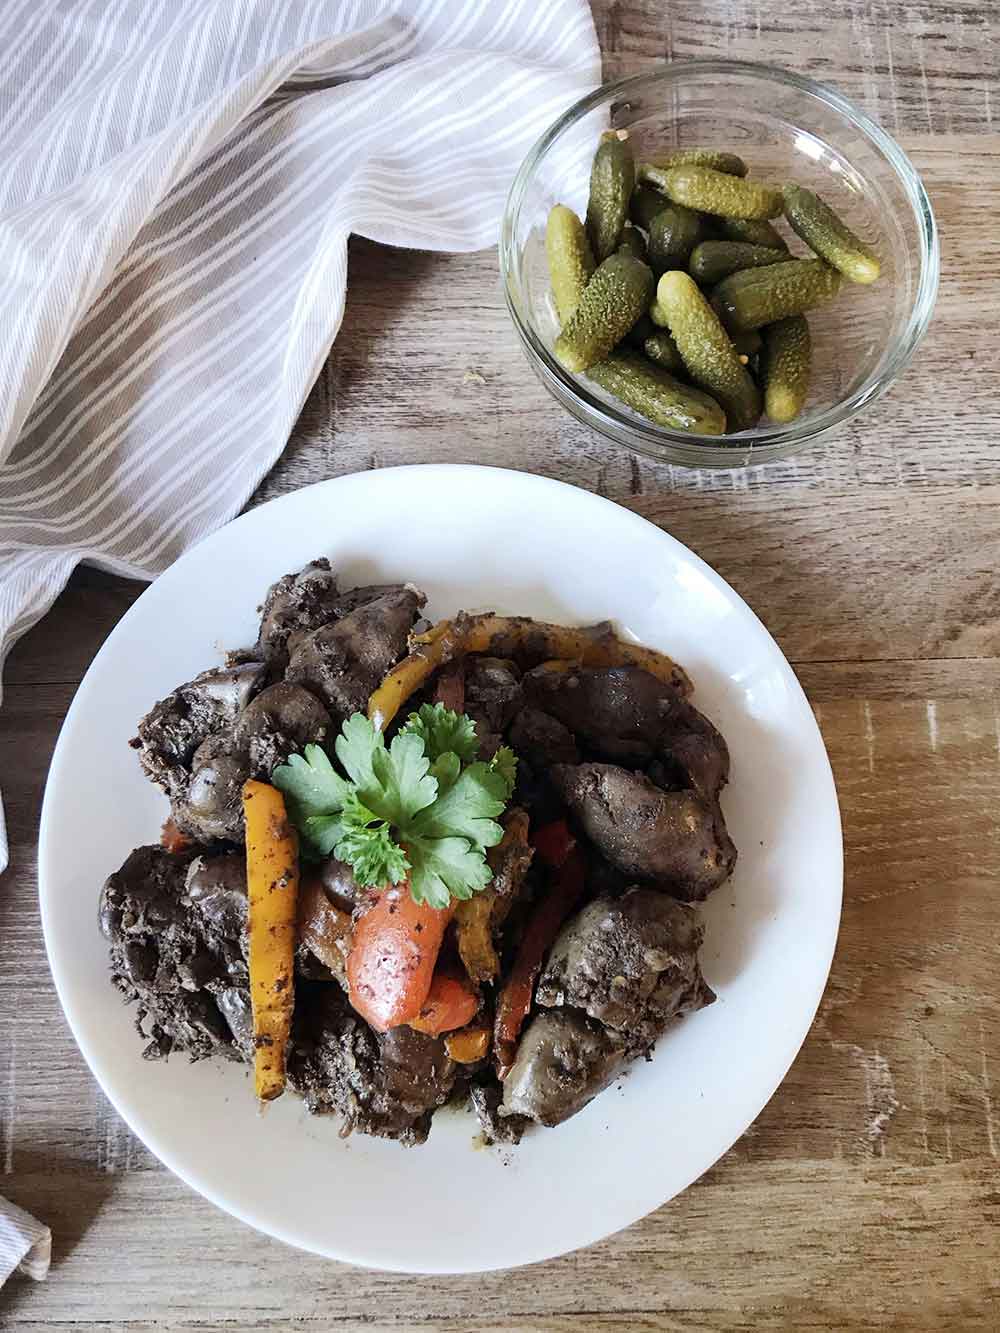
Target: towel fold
178 180
25 1244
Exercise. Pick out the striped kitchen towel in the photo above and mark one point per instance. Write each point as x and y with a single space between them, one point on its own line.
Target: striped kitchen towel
178 179
25 1245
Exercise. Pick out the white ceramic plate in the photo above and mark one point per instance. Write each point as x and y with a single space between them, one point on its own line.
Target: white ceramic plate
472 538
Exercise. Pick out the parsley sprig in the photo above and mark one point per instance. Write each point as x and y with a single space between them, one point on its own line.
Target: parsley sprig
422 808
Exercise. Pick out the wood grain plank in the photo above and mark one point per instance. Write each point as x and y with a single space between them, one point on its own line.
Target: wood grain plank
898 1241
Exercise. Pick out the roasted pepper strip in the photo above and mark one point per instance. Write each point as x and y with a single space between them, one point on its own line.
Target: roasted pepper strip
514 1002
272 893
451 1002
508 636
468 1045
478 916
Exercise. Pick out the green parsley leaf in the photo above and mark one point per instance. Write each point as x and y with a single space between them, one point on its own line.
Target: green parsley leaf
445 868
320 834
401 772
445 770
409 810
312 784
467 809
504 762
374 856
356 748
443 731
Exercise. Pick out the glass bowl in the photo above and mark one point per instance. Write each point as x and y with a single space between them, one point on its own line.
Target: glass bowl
787 128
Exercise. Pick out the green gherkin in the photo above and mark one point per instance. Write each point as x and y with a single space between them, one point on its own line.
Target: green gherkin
633 242
787 367
715 192
673 234
711 359
711 261
570 259
614 298
728 163
758 296
612 179
656 395
755 231
823 231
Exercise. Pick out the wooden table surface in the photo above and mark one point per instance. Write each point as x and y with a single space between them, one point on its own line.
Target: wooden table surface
867 1194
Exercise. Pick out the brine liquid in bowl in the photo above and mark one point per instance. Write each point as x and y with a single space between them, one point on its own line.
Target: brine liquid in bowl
786 129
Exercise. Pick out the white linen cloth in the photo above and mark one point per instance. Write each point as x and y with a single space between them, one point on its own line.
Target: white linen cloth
25 1244
178 180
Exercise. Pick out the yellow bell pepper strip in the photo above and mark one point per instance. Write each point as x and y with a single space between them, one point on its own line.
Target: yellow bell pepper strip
272 894
513 636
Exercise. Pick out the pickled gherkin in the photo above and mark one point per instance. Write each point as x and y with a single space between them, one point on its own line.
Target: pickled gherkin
711 359
656 395
787 367
673 234
614 298
755 297
612 179
818 225
711 261
645 204
755 231
571 261
715 192
728 163
633 242
661 348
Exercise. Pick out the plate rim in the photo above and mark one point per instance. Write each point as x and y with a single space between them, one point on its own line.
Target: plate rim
164 1154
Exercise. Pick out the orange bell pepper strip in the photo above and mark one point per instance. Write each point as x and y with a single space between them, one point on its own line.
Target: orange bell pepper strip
451 1003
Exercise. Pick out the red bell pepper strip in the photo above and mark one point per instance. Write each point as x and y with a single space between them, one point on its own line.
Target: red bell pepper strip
553 842
514 1002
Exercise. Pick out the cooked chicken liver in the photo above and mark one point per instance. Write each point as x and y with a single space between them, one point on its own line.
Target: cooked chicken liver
389 1088
632 964
169 957
342 662
677 840
627 715
564 1060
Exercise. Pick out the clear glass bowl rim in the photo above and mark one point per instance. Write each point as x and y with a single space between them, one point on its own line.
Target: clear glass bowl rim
763 443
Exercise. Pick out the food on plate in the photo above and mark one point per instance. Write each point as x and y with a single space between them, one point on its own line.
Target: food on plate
612 179
272 921
411 864
695 220
823 231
